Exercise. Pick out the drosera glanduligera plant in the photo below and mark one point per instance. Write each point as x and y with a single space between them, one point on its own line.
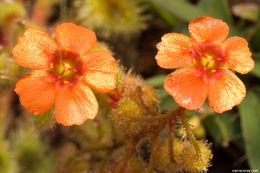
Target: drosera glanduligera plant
66 71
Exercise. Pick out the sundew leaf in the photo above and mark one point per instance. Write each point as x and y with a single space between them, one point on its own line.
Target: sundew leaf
256 70
247 11
165 15
45 120
255 38
156 81
218 130
167 102
180 8
250 122
217 8
225 128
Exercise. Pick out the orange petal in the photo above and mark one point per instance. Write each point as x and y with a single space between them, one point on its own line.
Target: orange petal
187 87
75 38
36 91
34 49
74 105
226 90
174 51
206 28
238 55
100 71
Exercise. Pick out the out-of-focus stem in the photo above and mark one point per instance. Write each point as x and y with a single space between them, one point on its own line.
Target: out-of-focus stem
170 139
121 165
154 149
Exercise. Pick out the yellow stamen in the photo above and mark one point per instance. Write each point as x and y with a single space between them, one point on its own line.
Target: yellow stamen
194 61
66 82
64 70
67 49
207 61
81 77
51 65
213 71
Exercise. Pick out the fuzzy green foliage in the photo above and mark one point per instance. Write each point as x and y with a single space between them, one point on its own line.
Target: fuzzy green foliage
7 160
30 152
113 17
76 164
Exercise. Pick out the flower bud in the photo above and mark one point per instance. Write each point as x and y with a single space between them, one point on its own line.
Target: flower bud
192 161
135 88
127 115
137 101
10 10
162 159
185 156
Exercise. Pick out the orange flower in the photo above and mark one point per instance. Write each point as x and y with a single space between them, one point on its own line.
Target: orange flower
65 73
206 57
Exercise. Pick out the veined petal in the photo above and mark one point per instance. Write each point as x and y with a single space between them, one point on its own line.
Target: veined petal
226 90
74 105
36 91
206 28
75 38
34 49
100 71
174 51
187 87
238 55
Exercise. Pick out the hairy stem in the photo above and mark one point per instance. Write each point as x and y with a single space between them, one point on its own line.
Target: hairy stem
154 149
121 165
170 139
190 133
140 93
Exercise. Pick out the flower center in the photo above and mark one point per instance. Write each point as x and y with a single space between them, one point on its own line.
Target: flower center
208 57
65 70
207 61
67 67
